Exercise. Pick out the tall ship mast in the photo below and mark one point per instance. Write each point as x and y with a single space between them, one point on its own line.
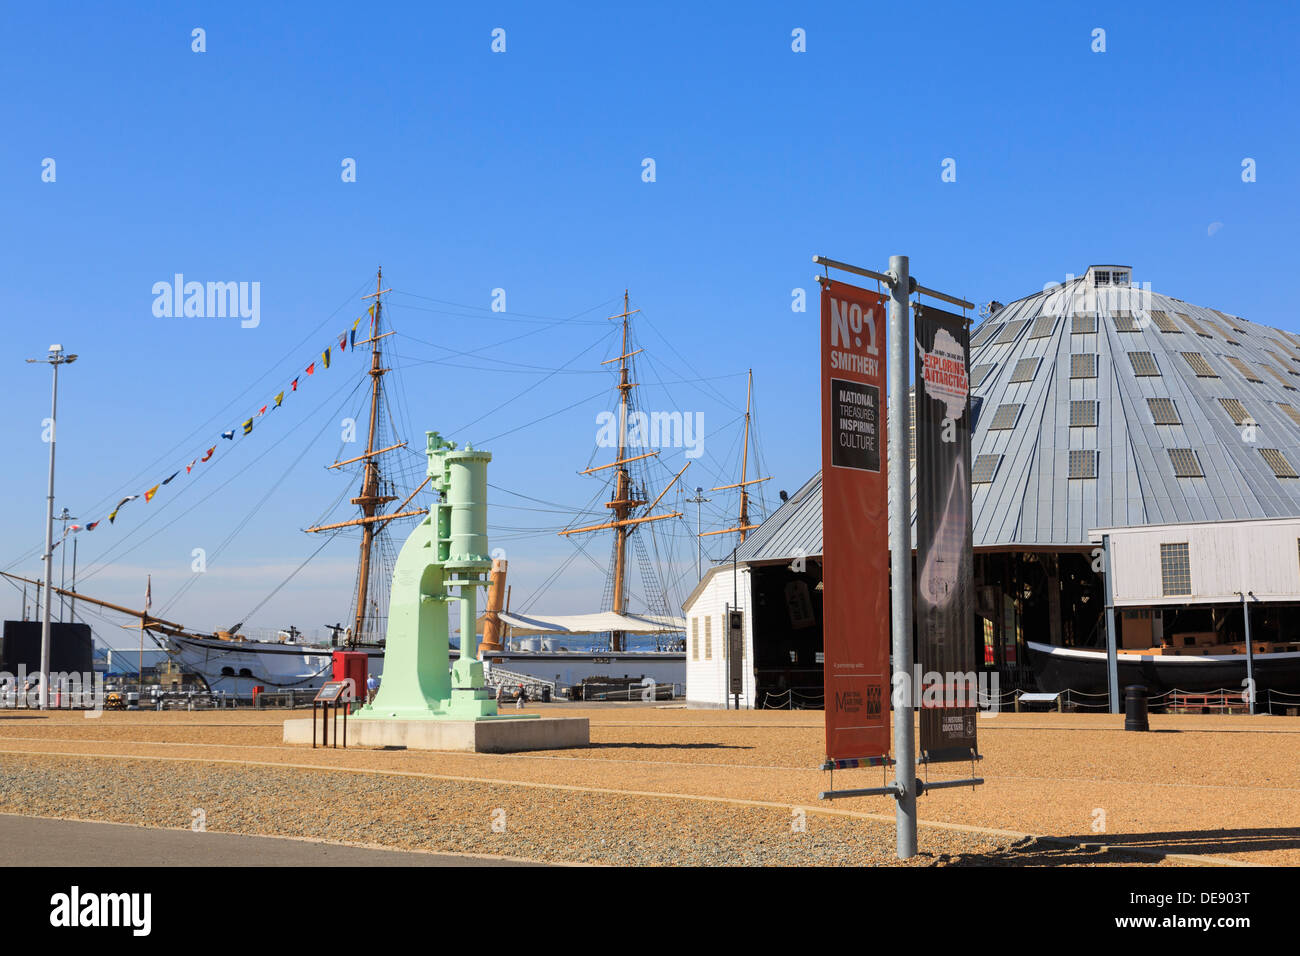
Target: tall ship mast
627 497
742 526
376 553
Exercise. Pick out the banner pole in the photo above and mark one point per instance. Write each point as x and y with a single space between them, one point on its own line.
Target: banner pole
900 555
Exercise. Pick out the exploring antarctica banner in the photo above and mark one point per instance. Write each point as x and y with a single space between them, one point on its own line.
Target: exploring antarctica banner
945 579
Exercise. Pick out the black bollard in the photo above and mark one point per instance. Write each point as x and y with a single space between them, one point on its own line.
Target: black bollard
1135 708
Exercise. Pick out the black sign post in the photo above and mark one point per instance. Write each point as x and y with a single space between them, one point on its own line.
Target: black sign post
736 653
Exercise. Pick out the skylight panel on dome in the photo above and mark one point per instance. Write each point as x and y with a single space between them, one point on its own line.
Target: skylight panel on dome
1185 462
986 466
1280 377
1194 325
1144 363
1164 323
1083 414
1243 368
1236 411
1010 332
1005 418
1043 326
1025 370
1125 322
979 373
1083 323
1278 462
1201 367
1163 411
1292 412
1083 463
984 333
1083 365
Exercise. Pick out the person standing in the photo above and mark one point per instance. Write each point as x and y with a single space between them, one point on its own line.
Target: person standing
372 686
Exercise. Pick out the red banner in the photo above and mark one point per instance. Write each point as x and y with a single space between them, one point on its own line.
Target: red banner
855 523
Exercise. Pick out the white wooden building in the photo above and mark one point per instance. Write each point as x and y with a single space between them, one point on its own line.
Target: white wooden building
723 589
1210 562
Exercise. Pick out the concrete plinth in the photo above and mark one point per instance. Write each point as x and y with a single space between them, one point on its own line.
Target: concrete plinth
498 736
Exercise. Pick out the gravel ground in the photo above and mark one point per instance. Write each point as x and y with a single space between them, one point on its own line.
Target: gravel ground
420 814
666 786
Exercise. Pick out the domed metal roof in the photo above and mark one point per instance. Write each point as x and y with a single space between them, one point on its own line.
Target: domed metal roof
1103 405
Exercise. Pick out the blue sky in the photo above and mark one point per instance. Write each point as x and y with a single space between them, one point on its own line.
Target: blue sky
523 171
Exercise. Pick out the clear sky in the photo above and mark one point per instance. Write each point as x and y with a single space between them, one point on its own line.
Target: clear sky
523 171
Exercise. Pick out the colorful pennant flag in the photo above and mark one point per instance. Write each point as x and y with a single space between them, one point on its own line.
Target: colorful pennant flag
346 339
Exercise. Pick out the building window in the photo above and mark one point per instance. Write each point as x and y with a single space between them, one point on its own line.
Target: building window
1083 365
1163 411
1278 462
1201 367
1083 463
1084 323
1144 363
695 638
986 466
1175 569
1043 327
1185 462
1005 418
1025 370
1083 414
708 637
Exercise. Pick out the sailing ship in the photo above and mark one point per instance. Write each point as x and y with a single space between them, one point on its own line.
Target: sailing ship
617 643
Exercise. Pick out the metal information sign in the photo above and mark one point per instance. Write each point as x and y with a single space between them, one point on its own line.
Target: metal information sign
736 650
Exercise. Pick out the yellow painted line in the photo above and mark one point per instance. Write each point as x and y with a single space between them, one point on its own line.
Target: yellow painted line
701 798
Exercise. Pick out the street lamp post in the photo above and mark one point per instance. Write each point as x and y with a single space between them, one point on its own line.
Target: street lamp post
55 359
698 500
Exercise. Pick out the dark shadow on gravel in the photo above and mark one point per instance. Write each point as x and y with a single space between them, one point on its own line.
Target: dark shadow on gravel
24 717
1247 840
1033 851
